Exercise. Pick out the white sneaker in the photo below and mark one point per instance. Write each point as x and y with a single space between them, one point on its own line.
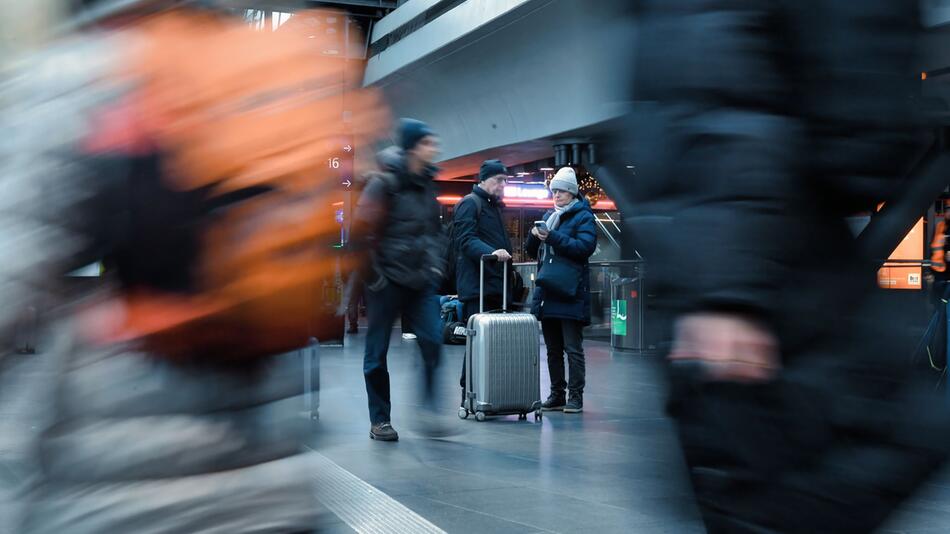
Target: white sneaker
409 336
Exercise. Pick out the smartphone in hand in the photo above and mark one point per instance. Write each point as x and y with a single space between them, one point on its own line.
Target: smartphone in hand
542 226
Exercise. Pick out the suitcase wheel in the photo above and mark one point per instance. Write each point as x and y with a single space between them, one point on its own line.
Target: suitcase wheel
479 416
522 417
463 413
538 415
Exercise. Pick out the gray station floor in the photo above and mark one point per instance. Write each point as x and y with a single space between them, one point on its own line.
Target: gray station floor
613 468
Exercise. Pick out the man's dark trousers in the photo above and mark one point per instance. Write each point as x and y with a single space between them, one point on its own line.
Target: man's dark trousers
383 307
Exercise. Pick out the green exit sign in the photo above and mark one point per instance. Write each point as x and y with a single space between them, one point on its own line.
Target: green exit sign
618 317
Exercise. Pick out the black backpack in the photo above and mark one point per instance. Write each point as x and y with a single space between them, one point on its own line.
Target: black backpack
449 284
453 329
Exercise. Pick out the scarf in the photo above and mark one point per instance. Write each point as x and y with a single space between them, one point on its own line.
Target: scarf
554 220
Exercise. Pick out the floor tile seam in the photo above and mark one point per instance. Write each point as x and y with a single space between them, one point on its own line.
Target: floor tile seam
537 461
404 473
429 494
539 509
463 473
620 480
490 483
570 496
479 512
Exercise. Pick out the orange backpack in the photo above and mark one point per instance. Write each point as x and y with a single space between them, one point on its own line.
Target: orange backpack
231 109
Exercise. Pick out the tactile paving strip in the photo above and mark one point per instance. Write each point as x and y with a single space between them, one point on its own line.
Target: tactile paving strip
364 508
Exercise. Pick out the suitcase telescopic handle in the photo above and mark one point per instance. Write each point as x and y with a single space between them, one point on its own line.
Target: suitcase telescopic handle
481 283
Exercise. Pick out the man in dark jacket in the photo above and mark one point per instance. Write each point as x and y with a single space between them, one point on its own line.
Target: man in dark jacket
479 230
398 224
774 121
570 235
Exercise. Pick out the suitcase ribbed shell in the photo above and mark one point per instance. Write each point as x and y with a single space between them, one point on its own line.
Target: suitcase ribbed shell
503 356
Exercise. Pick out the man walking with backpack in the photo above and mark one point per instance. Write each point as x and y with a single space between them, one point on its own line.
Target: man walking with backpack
398 224
478 229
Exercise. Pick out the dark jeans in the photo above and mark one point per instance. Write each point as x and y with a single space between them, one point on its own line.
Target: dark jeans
470 308
383 307
354 300
353 308
938 344
560 336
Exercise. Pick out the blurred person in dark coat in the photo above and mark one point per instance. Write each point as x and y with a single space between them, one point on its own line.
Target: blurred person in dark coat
764 124
398 227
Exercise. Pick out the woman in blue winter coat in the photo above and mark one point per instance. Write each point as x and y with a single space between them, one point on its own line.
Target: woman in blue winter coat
561 300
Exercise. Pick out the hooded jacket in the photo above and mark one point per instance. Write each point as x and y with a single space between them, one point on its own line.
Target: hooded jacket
397 223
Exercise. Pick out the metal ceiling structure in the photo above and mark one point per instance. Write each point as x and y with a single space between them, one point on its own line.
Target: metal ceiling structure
359 8
353 30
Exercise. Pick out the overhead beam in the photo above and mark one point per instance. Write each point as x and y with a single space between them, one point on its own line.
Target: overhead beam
294 5
380 4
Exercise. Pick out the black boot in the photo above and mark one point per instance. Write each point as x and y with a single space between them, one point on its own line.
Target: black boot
575 404
555 402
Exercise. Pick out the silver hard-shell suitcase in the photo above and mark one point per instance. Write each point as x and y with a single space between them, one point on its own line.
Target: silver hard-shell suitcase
502 373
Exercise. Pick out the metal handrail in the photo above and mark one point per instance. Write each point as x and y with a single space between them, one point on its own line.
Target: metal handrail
603 274
609 263
908 263
606 263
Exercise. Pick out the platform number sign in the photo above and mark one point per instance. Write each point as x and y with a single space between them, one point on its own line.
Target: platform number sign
340 162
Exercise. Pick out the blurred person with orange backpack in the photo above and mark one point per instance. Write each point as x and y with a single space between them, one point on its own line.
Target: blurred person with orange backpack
187 152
